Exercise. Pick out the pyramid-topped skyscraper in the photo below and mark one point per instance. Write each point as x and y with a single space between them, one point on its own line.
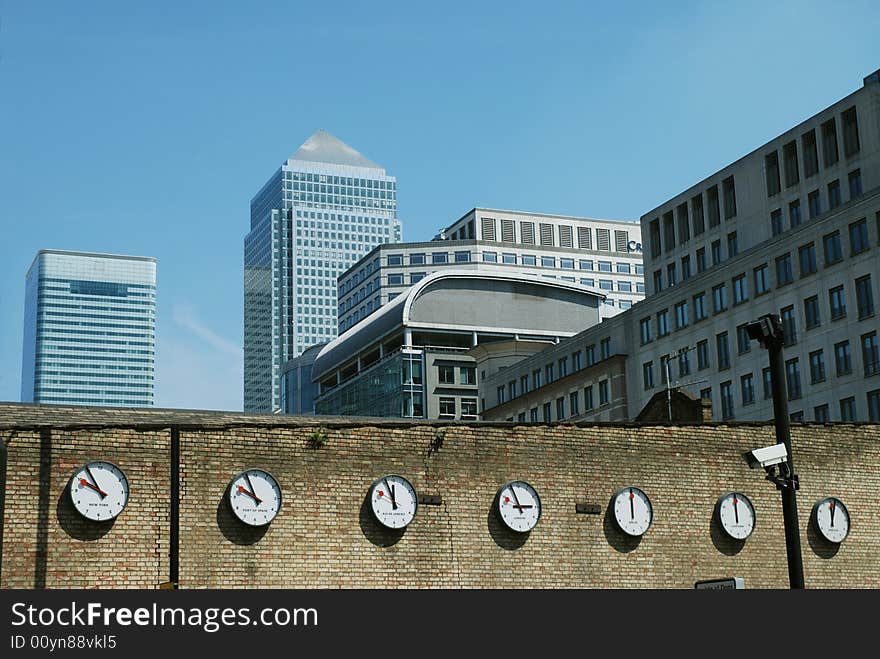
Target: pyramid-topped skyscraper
321 211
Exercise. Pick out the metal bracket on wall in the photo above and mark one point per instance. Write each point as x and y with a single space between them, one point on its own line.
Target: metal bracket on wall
588 508
431 499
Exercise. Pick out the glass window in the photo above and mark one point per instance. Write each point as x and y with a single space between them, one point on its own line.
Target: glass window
732 245
873 398
850 132
848 409
701 259
624 268
817 366
605 348
726 400
811 312
439 257
604 266
807 259
574 403
536 378
820 413
837 302
858 237
648 375
524 383
447 407
685 267
815 204
784 273
743 343
788 326
560 408
740 289
767 379
501 392
663 322
546 412
716 252
395 280
603 392
468 375
700 311
469 409
794 213
490 257
719 298
417 258
855 184
624 286
528 259
702 355
563 366
723 351
548 261
870 354
548 373
762 279
833 249
834 198
576 362
462 257
645 330
864 297
842 358
793 378
566 264
508 258
747 387
606 284
395 259
533 415
776 225
684 362
681 314
446 374
585 264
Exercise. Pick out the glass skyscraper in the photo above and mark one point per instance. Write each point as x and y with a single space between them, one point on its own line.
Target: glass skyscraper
321 211
89 330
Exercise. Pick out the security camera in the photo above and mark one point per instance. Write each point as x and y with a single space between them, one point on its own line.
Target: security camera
767 456
765 329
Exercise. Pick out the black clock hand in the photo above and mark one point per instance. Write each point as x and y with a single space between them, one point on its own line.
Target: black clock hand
516 498
100 491
251 485
833 508
736 509
632 510
393 498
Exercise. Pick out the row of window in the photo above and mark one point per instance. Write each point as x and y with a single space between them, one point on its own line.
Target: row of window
814 203
680 224
570 406
339 180
448 411
548 234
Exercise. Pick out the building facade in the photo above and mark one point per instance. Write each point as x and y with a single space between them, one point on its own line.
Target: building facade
298 392
793 229
89 330
321 211
601 254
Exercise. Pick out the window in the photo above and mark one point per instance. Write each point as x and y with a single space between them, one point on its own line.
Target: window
807 259
793 378
850 132
858 237
716 252
767 379
664 369
719 298
701 259
645 330
726 401
533 415
685 267
624 286
776 226
837 302
395 280
508 258
574 403
743 343
820 413
771 167
747 387
606 284
656 247
588 398
873 398
684 362
729 190
585 264
723 351
560 408
796 417
697 213
794 213
501 392
418 259
671 279
870 354
439 257
811 312
784 273
548 262
591 355
490 257
576 362
829 143
833 250
817 367
648 375
446 374
524 384
762 279
740 289
684 230
521 417
681 314
462 257
842 358
658 281
529 259
855 184
548 373
546 412
604 266
706 394
712 201
663 322
848 409
395 259
815 204
702 355
536 378
605 348
603 392
811 157
447 407
864 297
732 245
668 232
790 159
566 264
416 277
468 375
834 194
788 326
511 389
563 366
700 312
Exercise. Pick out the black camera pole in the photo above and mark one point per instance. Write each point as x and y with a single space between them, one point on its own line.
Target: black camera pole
769 332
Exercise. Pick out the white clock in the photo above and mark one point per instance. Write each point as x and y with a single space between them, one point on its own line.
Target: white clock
736 515
633 512
255 497
831 519
393 501
519 506
99 490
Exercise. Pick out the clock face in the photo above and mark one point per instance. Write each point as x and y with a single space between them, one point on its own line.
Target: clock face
255 497
393 501
831 519
99 490
737 515
633 512
519 506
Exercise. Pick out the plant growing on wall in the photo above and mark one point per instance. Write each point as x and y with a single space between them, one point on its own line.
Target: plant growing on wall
318 437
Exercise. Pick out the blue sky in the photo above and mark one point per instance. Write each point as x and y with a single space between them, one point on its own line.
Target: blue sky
145 128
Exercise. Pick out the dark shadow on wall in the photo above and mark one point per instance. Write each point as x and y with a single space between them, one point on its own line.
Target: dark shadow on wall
379 535
41 550
723 542
618 540
77 526
503 536
233 529
820 546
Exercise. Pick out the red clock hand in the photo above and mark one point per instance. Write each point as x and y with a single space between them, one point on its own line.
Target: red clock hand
242 488
83 481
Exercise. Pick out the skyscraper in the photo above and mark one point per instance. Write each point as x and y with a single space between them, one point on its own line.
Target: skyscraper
89 329
321 211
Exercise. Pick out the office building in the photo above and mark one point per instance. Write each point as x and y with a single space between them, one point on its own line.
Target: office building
793 229
89 329
600 254
321 211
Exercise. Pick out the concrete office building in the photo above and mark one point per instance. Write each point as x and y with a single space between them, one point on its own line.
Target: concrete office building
321 211
791 228
411 358
601 254
298 391
89 329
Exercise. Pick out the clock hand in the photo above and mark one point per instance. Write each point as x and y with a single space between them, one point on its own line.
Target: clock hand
242 488
94 480
250 484
393 498
515 498
84 482
735 508
632 510
833 508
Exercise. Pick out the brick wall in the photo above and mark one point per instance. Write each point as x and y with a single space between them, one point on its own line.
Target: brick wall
324 537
